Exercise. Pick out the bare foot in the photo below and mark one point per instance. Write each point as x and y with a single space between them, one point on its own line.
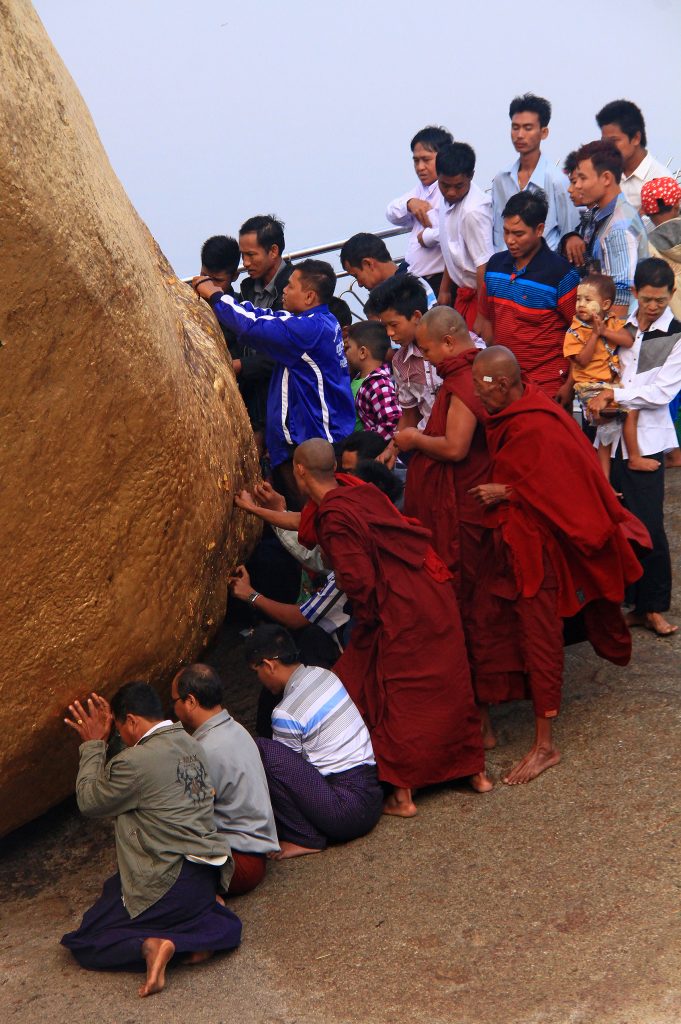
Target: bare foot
641 465
654 621
400 804
480 783
287 850
489 739
199 957
532 765
157 953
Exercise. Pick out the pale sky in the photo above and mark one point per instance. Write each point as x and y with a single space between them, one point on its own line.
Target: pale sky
213 112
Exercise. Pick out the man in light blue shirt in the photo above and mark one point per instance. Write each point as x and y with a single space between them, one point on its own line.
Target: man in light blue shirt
530 116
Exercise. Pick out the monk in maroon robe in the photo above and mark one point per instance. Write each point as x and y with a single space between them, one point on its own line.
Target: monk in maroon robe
450 456
557 546
405 666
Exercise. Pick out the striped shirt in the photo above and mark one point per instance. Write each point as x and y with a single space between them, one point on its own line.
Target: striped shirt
616 240
377 404
326 608
317 719
530 309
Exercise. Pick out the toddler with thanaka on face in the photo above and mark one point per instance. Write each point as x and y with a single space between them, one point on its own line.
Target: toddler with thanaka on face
591 345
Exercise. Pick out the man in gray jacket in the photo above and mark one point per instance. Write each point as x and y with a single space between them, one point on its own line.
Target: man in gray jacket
242 799
162 900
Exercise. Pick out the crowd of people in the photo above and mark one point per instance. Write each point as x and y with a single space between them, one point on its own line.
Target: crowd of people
437 524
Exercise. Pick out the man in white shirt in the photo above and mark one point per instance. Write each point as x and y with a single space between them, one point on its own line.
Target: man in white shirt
650 378
622 122
418 208
530 116
320 764
465 228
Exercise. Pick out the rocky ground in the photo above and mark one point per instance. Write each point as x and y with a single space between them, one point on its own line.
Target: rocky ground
555 903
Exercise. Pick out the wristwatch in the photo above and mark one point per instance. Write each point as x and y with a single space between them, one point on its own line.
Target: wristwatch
252 597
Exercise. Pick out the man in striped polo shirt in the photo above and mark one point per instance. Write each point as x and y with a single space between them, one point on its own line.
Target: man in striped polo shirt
320 764
529 297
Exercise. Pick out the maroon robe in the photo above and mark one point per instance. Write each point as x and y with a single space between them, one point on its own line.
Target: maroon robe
436 492
405 666
558 547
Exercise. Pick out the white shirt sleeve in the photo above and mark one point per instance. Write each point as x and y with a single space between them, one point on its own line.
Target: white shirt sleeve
397 212
287 730
478 235
660 391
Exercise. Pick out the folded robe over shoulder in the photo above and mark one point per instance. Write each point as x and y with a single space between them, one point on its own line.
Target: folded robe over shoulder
406 666
561 505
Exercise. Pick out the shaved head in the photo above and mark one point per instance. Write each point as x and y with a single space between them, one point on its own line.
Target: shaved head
442 320
317 456
498 361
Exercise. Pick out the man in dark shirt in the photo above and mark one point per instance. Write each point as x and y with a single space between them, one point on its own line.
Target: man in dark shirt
261 241
529 297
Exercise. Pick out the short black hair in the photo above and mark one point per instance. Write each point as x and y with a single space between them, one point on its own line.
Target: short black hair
367 443
402 292
364 246
432 137
372 472
604 155
373 335
340 310
570 162
626 115
319 276
655 273
268 230
535 104
456 158
271 641
220 253
531 207
137 698
603 283
202 682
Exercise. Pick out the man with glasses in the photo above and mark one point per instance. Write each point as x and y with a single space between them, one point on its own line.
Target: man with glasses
651 378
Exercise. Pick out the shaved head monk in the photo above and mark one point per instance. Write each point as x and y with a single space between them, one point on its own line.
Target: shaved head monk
555 549
450 455
405 666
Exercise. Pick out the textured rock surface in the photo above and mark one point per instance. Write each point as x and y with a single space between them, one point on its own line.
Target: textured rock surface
123 434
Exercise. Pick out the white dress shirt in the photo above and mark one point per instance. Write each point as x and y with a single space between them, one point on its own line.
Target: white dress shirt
648 169
466 235
650 391
426 259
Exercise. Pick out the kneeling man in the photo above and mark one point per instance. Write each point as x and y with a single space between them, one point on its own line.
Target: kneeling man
320 765
162 899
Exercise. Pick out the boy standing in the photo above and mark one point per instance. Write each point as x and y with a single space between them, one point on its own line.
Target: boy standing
400 303
378 408
530 116
465 229
418 209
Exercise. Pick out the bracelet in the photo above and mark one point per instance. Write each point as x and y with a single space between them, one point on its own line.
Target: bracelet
202 281
252 598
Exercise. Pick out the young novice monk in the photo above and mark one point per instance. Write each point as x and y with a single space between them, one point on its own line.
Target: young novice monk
376 402
591 344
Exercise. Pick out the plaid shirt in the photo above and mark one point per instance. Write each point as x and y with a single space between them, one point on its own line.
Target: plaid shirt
377 404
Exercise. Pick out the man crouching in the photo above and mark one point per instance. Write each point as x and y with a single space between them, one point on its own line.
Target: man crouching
162 899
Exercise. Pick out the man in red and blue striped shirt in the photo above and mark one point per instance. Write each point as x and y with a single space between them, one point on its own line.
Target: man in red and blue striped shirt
529 296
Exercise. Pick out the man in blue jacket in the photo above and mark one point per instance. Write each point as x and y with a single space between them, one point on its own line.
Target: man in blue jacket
309 394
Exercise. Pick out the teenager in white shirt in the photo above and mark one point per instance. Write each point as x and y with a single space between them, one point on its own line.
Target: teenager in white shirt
622 122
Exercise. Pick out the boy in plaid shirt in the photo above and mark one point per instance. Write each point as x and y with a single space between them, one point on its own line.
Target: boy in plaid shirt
366 348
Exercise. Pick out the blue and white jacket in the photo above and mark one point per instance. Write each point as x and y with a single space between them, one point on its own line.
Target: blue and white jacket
310 394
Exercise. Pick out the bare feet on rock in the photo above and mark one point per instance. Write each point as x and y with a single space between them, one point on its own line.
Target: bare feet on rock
157 953
642 465
199 957
481 783
400 804
287 850
654 621
533 764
